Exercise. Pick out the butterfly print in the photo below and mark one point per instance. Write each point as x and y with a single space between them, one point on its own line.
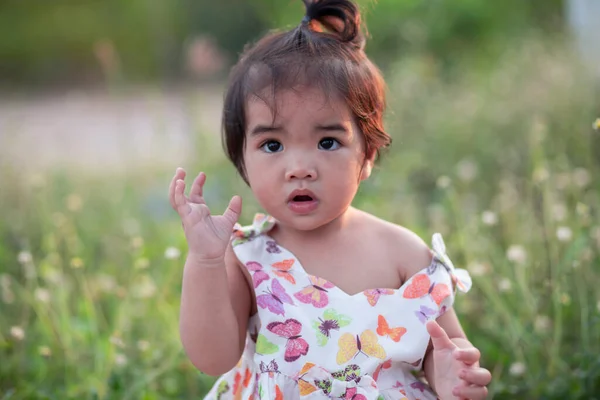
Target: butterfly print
419 386
383 329
420 286
414 363
263 346
351 394
424 313
274 299
366 343
349 374
222 389
385 365
282 270
331 321
272 247
315 293
272 368
258 276
373 295
295 346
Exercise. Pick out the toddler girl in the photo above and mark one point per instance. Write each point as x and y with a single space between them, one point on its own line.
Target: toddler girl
316 299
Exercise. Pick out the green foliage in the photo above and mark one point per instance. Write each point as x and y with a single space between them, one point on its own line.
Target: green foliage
502 160
50 42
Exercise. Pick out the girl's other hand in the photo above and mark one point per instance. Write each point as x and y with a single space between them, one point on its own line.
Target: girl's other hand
207 235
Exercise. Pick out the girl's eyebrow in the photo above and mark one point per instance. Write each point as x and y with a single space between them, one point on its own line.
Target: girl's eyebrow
259 129
331 127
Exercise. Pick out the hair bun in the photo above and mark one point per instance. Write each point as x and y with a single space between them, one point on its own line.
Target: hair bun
340 18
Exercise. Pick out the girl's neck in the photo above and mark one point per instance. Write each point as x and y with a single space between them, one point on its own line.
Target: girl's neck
321 235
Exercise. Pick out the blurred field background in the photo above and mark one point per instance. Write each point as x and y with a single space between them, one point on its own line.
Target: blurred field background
492 107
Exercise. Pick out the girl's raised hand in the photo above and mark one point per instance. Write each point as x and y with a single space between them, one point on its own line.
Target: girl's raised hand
207 235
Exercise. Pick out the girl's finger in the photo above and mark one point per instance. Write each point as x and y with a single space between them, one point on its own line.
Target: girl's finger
232 214
476 376
469 355
181 204
470 392
179 174
196 190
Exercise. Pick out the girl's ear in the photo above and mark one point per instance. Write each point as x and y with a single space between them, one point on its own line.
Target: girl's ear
368 165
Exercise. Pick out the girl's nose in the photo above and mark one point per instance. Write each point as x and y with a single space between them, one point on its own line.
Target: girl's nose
301 171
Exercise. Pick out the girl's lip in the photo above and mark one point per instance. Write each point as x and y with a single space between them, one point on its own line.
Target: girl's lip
302 192
303 207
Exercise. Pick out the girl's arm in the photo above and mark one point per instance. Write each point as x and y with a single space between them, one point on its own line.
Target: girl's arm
215 307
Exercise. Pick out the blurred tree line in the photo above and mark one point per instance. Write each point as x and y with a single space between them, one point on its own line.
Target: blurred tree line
67 41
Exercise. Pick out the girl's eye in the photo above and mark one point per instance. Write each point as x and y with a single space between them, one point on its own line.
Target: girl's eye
272 146
329 144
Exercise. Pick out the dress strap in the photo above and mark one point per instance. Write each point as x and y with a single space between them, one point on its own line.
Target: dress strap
262 223
461 279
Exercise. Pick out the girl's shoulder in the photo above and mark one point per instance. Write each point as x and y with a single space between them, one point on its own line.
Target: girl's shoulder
412 252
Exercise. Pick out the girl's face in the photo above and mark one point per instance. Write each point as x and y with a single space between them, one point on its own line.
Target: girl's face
304 166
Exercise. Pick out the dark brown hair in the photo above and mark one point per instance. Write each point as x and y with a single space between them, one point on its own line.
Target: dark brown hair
326 49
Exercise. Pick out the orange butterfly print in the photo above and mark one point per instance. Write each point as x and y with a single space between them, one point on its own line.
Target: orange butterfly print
383 329
385 365
278 393
421 286
373 295
351 345
282 269
305 387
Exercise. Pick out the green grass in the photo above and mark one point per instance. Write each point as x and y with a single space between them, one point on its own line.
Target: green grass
501 159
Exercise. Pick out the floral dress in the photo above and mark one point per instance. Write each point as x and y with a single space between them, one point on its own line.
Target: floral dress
311 340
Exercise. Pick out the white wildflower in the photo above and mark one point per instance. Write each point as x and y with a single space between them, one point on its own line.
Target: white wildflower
517 254
559 211
504 285
17 332
42 294
517 369
44 351
443 182
117 341
478 269
172 253
74 202
141 263
120 359
541 323
489 218
24 257
564 233
467 170
541 174
137 242
145 288
8 296
143 345
581 177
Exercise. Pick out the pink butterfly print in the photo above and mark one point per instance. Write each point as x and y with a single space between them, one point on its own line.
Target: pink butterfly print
315 293
295 347
273 299
373 295
259 276
424 314
352 395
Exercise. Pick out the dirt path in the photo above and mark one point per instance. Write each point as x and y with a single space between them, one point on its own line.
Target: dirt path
95 130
